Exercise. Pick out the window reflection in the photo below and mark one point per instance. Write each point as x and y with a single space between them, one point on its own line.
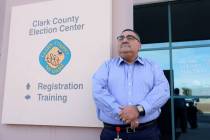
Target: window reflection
190 43
155 45
192 71
189 22
161 57
192 117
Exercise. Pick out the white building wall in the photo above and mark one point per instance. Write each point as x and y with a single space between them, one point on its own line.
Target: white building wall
122 18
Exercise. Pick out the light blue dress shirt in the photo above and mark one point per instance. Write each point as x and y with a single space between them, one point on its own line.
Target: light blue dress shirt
117 83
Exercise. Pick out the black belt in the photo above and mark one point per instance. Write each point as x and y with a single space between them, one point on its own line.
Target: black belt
128 129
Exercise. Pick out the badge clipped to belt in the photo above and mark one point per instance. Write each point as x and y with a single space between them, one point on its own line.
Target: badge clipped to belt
118 133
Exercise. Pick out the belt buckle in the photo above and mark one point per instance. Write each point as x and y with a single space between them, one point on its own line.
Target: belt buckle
130 130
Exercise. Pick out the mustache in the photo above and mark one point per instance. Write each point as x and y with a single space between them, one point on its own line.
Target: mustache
123 43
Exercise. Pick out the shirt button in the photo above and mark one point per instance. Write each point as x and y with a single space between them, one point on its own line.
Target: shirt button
129 83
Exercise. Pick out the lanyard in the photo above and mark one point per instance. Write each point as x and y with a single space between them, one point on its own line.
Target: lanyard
118 133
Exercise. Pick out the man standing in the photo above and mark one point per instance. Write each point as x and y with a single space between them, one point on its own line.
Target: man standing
129 92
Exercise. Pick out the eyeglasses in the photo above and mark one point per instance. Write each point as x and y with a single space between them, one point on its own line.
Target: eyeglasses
128 37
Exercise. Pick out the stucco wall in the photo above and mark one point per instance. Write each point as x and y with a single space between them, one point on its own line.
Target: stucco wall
122 18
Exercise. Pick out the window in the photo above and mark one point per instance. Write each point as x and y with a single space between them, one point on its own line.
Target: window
176 35
192 70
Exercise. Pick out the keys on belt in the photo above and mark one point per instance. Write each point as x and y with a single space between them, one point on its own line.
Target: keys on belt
130 130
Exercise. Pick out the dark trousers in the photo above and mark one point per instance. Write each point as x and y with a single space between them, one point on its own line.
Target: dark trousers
149 133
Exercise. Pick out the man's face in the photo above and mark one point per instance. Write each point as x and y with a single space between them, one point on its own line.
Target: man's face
128 45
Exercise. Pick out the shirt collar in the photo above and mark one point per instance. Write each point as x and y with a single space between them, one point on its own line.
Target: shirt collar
138 60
